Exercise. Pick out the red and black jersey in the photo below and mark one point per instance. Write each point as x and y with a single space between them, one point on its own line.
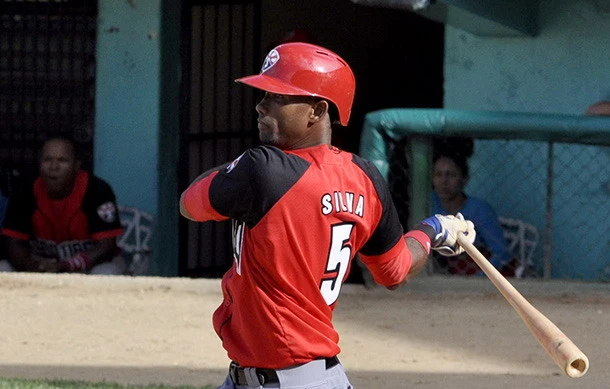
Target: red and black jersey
61 228
299 216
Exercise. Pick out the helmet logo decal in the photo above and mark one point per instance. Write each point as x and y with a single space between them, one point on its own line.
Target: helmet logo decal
270 60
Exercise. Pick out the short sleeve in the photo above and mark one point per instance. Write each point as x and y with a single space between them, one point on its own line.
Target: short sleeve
100 207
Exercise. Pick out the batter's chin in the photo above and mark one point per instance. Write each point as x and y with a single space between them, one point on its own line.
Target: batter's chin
267 138
268 142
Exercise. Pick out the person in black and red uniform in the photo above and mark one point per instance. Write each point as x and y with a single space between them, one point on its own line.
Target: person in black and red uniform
65 221
301 210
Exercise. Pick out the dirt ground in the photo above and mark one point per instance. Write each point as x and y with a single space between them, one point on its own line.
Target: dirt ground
437 332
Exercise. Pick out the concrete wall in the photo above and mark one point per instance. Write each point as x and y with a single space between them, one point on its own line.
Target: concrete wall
561 70
127 100
136 91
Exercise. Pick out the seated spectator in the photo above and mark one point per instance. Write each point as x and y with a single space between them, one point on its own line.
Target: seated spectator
450 175
65 221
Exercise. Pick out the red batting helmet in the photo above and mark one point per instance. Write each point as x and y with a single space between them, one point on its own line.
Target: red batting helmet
303 69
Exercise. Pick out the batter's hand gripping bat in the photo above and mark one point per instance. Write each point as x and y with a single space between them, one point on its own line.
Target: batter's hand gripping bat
559 347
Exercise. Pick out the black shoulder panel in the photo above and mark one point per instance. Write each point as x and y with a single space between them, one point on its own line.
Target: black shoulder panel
389 229
248 189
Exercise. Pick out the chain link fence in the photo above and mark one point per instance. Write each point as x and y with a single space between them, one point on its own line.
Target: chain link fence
551 199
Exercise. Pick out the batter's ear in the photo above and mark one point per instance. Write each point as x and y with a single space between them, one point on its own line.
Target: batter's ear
319 109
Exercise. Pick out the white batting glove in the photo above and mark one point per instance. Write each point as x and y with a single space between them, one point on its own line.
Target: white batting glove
446 228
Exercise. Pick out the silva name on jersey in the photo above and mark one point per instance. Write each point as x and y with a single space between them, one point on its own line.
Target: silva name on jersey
342 202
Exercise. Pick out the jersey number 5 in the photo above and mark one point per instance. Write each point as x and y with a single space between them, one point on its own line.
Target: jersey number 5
338 261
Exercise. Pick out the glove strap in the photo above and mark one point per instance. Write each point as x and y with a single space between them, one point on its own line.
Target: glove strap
421 237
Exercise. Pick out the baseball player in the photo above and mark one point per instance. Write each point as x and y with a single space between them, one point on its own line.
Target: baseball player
301 210
66 221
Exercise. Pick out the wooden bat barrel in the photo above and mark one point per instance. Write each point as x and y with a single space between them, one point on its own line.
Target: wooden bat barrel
573 362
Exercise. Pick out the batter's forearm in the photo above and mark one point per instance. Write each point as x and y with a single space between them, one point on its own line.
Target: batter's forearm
418 247
183 197
207 173
183 211
419 257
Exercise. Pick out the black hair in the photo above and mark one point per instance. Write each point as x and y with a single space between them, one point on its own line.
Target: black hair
67 139
458 149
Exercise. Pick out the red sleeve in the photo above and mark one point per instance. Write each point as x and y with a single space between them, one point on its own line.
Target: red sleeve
391 267
197 201
15 234
421 237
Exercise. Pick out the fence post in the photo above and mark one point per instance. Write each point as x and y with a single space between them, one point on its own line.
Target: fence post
548 228
420 170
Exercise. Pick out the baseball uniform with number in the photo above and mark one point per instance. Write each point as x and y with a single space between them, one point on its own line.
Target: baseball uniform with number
299 217
62 228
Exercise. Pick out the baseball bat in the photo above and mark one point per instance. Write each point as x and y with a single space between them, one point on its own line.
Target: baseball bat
559 347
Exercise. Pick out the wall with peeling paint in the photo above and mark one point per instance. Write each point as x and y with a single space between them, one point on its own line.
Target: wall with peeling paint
128 100
563 69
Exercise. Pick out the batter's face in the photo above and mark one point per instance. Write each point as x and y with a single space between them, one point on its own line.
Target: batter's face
448 179
58 167
283 121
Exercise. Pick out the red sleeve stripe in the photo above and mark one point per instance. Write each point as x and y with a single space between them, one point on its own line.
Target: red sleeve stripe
421 237
107 234
15 234
197 201
390 268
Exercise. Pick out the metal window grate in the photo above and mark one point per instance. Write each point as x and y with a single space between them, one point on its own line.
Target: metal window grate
223 44
47 77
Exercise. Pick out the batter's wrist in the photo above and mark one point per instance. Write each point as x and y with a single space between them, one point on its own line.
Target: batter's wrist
422 237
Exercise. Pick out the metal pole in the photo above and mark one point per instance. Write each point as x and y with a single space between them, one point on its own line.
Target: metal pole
548 229
420 170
